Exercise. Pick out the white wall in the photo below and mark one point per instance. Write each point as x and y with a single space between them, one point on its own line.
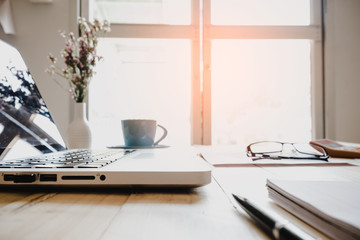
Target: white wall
36 26
342 70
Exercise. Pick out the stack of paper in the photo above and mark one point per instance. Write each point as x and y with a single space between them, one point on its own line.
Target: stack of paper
333 207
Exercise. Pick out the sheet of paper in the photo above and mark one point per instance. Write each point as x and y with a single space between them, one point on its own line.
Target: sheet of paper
332 206
232 156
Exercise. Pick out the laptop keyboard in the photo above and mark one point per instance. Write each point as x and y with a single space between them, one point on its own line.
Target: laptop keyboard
79 158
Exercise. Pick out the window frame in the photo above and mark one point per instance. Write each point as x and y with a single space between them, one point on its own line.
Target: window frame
201 58
170 32
312 32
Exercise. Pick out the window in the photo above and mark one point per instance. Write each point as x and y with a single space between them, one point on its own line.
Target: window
260 12
174 12
149 78
211 71
254 97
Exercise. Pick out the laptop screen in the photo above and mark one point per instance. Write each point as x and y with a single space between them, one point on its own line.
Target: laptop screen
26 126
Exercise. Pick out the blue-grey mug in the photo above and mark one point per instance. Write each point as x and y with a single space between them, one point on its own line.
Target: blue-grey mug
141 132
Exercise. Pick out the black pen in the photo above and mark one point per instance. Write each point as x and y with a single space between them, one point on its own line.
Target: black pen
274 228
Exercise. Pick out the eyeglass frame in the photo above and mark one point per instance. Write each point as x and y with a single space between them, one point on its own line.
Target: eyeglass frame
252 155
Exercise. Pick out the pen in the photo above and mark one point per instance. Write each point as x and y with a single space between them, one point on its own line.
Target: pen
276 229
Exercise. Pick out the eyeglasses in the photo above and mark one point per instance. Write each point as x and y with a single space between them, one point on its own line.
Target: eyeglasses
284 150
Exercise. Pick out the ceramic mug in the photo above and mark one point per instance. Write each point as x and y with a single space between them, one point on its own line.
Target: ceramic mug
141 132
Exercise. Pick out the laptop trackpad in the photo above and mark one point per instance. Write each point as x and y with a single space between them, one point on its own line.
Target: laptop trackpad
144 155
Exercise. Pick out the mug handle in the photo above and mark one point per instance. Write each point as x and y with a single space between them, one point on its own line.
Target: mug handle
163 136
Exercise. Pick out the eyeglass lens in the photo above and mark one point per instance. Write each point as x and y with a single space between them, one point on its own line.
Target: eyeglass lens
309 149
272 147
266 147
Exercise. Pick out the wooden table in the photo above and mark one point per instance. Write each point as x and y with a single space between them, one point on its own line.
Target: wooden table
202 213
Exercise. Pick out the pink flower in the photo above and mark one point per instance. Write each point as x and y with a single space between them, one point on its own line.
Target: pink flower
80 57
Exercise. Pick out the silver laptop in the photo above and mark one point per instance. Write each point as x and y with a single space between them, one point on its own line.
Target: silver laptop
32 152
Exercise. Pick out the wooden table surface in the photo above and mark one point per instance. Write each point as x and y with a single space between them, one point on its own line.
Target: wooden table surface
206 212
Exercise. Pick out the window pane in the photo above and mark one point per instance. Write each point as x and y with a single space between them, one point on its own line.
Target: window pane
175 12
260 91
141 78
260 12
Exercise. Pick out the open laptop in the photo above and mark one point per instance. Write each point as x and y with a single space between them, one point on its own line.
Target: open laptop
33 153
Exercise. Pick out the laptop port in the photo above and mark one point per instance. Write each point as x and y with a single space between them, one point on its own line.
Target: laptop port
24 178
48 177
78 177
8 177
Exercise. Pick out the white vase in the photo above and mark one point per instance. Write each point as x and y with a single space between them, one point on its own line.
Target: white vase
79 134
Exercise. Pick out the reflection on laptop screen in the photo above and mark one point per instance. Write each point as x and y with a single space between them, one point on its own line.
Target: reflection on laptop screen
26 126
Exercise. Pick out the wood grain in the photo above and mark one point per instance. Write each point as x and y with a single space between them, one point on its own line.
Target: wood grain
60 215
141 214
202 213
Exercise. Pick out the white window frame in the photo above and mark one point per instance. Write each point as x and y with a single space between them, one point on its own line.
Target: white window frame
201 75
190 32
312 32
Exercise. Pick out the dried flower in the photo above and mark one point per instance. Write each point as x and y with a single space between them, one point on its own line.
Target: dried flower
80 57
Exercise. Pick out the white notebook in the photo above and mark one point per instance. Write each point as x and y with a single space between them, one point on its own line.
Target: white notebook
333 207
